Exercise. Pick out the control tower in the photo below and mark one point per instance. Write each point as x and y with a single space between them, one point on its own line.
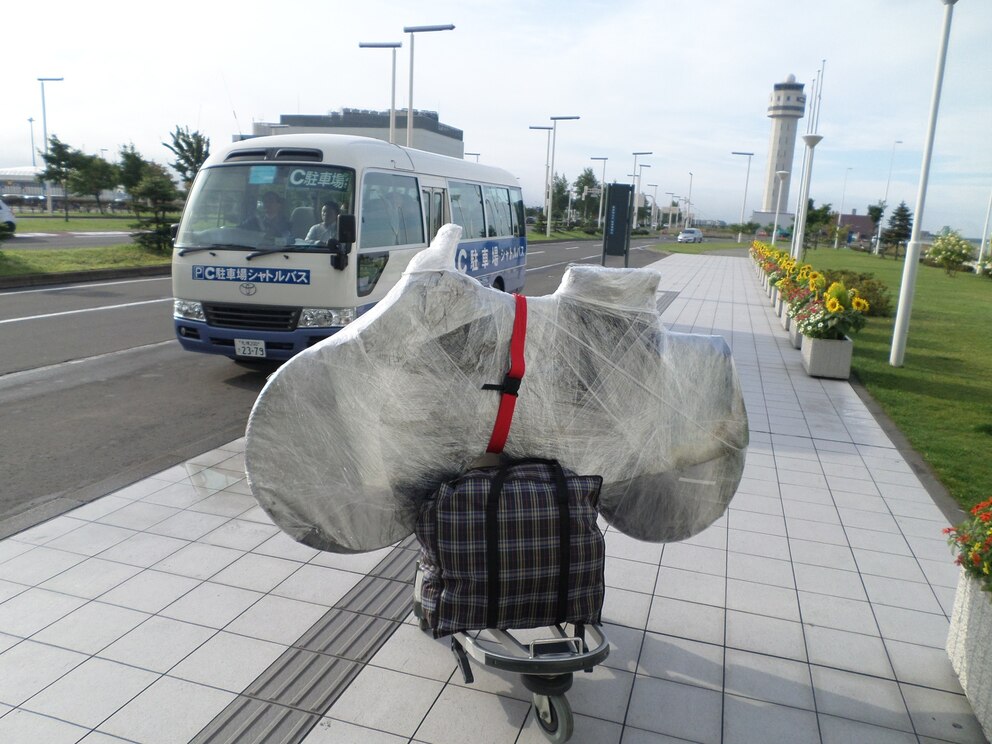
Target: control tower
786 106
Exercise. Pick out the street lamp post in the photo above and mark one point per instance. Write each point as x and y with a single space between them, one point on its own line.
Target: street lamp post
654 206
633 180
799 229
747 178
910 265
985 231
778 204
688 204
409 108
547 166
554 138
669 206
878 237
477 154
840 212
602 193
31 122
44 130
393 45
637 191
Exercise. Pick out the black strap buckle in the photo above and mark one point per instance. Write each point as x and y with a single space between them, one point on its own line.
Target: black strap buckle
509 386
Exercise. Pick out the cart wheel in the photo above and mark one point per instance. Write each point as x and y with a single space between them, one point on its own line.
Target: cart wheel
554 716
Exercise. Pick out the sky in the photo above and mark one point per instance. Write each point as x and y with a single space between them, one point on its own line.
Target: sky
687 81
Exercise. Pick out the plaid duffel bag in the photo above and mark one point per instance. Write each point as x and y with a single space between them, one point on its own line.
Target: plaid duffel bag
514 546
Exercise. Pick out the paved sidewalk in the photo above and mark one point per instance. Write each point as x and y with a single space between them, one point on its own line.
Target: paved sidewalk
815 610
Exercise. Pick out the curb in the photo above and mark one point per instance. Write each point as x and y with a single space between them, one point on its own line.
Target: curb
72 277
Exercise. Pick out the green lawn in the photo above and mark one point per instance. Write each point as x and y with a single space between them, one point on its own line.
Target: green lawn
57 261
941 398
77 223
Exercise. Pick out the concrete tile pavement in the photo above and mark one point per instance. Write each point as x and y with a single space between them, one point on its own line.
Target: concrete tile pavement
816 609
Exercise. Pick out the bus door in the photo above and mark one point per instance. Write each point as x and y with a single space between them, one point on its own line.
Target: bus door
435 200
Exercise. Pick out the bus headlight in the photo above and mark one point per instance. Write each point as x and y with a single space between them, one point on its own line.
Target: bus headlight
325 317
188 310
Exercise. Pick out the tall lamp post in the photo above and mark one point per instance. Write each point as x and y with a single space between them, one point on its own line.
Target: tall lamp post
547 166
31 122
637 191
633 180
654 206
668 206
778 203
799 229
747 178
409 108
840 212
602 194
393 45
554 138
878 237
44 130
688 204
985 231
910 265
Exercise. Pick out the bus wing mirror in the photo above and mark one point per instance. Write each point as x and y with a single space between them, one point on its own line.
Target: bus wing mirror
346 228
173 230
339 254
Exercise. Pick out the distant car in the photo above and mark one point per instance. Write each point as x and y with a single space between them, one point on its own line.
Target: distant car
690 235
8 222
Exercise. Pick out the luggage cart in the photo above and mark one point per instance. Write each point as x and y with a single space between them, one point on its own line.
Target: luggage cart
545 663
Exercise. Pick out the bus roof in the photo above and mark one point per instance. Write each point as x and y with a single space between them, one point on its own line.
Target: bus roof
356 152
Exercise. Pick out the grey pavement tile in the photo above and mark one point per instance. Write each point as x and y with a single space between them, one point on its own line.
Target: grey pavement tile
804 529
149 591
619 545
604 693
143 549
37 565
862 502
141 489
888 565
91 692
714 536
138 515
29 667
760 569
910 595
30 611
281 545
355 562
12 548
257 515
691 586
277 619
178 495
912 626
411 650
198 561
822 554
752 543
942 715
923 666
91 628
807 479
765 635
852 652
151 717
100 507
860 489
211 663
261 573
24 726
9 589
804 494
836 730
832 581
693 558
633 576
945 595
839 613
240 534
940 573
748 721
761 504
410 698
687 620
626 608
916 510
587 731
867 520
935 549
860 698
766 524
47 531
625 646
800 464
768 678
225 504
213 605
682 660
215 478
684 711
462 714
158 644
333 731
91 578
762 599
882 542
188 525
323 586
921 527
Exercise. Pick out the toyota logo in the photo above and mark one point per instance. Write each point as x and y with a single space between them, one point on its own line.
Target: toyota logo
248 289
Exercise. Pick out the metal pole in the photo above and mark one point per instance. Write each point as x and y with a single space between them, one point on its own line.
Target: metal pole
778 205
668 207
654 206
688 206
602 193
747 178
392 46
985 231
799 231
551 187
44 129
547 164
885 200
34 164
840 212
409 108
901 329
640 177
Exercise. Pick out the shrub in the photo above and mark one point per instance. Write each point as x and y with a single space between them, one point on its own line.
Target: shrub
949 252
868 287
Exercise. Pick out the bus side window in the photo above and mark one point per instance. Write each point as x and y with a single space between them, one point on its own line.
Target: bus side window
498 211
466 209
391 211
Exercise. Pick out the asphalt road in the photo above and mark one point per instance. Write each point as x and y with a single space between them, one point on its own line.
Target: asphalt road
96 394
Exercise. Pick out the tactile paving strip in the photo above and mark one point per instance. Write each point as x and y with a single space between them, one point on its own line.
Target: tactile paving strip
288 699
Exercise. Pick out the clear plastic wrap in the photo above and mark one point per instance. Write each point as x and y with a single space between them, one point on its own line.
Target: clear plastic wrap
347 439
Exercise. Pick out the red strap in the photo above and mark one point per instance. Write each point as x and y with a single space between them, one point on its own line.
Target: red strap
511 382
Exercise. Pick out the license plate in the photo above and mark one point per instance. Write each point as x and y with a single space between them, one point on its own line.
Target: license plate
248 347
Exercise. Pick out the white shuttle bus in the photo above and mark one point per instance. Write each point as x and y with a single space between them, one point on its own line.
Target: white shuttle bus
286 239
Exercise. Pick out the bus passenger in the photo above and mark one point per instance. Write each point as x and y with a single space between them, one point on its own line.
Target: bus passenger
327 228
273 220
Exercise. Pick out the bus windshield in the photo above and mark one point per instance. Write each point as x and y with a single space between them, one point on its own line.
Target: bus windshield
254 206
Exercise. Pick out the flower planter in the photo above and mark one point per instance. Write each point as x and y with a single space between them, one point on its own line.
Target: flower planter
827 357
794 335
784 318
969 646
773 295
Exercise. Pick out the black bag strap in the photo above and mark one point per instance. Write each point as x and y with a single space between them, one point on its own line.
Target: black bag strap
492 537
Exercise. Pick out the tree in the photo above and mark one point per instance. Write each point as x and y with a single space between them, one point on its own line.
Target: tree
817 222
190 149
587 181
875 212
131 168
900 227
91 176
559 196
60 162
153 195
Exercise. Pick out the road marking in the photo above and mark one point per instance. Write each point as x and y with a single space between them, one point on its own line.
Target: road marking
85 310
535 253
62 287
